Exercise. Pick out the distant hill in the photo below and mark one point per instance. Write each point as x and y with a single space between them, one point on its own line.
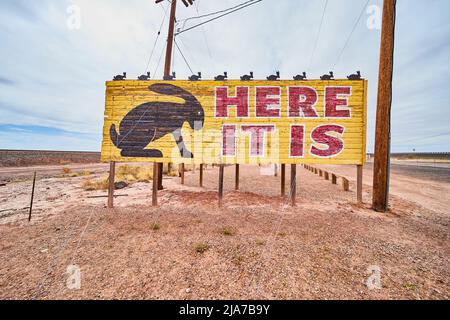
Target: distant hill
15 158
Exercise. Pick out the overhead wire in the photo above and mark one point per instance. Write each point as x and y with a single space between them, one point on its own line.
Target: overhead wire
215 12
156 40
216 18
318 36
351 34
182 55
159 62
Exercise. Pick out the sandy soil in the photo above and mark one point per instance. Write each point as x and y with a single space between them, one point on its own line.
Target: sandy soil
320 249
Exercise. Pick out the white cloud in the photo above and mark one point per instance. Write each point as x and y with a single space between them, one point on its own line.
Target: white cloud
59 74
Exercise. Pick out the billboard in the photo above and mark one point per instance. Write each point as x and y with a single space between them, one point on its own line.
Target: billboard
244 122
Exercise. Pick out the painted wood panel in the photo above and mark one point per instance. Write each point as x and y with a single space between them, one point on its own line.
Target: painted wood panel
246 122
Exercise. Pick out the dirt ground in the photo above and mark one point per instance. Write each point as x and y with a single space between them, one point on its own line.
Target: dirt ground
255 247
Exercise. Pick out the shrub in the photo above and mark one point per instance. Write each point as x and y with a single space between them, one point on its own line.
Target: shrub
90 185
260 242
201 247
155 227
227 231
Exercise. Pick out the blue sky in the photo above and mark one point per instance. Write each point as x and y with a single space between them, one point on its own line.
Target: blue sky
52 77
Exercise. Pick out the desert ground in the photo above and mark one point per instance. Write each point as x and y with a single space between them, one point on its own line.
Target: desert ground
255 247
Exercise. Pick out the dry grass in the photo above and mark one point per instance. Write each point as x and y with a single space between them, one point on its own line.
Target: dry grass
130 174
155 227
173 174
68 173
201 247
91 185
227 231
261 242
125 173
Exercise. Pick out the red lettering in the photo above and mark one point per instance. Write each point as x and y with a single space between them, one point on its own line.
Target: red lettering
334 144
268 102
257 138
229 140
223 101
302 101
335 106
297 141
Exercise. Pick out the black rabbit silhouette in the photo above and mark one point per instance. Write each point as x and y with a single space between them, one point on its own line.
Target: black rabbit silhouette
151 121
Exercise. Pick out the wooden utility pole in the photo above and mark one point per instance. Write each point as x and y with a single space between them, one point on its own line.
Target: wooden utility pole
383 126
168 63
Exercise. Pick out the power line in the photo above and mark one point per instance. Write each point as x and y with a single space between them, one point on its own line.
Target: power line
351 33
197 4
225 14
318 36
425 138
184 58
159 62
214 13
156 40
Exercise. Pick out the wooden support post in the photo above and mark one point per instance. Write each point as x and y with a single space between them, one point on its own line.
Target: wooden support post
359 183
320 173
293 184
326 175
201 175
155 184
316 171
345 184
333 178
236 184
32 196
383 124
182 173
221 174
283 180
111 184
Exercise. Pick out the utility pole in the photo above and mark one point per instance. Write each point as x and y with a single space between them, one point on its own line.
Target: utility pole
168 63
383 127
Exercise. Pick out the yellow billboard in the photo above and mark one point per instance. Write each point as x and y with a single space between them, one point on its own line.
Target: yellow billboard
245 122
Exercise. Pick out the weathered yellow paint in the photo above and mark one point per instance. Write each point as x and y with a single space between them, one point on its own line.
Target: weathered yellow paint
123 96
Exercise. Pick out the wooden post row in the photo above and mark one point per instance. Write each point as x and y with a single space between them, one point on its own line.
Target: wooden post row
201 176
236 183
181 168
333 178
293 184
221 174
359 183
155 188
32 196
111 184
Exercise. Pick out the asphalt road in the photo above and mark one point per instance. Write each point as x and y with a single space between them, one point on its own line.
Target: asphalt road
424 170
439 172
